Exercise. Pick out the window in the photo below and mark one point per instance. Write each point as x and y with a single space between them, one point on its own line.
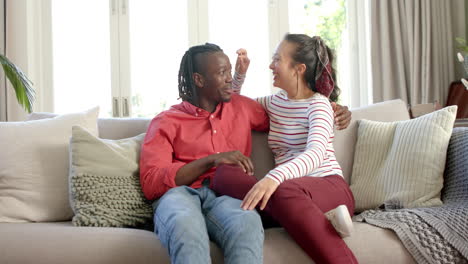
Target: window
231 26
327 19
81 55
125 54
158 40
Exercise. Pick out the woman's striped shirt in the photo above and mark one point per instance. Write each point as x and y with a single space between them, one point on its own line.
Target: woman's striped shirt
300 137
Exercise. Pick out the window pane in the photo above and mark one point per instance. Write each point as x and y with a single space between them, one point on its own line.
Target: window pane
158 40
327 19
244 24
81 55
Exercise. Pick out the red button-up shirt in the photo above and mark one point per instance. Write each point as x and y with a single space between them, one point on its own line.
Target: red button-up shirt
186 133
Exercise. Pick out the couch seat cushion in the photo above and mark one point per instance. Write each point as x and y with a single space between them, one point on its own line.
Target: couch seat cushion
62 242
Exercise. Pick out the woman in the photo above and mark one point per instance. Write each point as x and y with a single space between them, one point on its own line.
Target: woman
305 192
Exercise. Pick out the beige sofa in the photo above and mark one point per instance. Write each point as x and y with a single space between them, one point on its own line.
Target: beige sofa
61 242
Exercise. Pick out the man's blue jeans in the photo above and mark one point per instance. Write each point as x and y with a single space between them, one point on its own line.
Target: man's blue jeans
186 219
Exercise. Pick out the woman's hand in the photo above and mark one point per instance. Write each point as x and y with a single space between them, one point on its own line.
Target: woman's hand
242 62
261 191
342 116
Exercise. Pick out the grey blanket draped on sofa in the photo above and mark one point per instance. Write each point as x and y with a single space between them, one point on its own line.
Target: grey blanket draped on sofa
435 234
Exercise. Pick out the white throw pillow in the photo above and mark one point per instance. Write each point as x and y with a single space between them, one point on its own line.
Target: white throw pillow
34 164
401 164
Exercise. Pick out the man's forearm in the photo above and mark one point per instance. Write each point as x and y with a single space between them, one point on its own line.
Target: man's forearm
190 172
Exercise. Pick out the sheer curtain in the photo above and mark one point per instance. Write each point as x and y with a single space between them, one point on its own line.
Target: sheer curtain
402 49
14 47
3 94
360 78
412 53
25 44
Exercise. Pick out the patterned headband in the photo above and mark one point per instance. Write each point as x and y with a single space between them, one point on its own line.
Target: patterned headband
324 83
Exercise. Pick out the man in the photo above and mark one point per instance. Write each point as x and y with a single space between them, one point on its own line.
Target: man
179 156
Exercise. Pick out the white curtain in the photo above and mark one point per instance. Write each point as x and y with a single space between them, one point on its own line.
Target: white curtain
24 46
13 31
412 53
360 79
3 94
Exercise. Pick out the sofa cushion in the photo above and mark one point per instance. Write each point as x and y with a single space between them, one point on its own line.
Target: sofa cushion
456 168
61 242
34 167
369 244
345 140
105 182
401 164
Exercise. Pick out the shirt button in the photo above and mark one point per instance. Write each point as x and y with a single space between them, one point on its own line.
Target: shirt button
212 116
196 114
217 152
214 131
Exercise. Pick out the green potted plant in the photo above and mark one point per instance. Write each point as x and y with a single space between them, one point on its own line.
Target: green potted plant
25 93
463 58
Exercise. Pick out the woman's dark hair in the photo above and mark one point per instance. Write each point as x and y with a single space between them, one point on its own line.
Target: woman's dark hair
306 53
189 65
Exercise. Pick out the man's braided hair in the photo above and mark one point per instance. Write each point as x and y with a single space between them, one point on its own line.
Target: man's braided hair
189 65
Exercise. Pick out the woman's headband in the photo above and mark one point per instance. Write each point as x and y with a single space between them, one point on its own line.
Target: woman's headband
324 82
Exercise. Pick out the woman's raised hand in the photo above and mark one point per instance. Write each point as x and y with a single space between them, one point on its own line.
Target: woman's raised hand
242 62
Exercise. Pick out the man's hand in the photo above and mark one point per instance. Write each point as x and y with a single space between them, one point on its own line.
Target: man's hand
342 116
242 62
261 191
235 157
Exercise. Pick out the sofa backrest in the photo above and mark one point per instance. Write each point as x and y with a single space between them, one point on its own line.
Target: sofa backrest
345 140
109 128
117 128
344 143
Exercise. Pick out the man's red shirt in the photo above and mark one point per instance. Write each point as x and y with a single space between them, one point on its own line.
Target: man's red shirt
186 133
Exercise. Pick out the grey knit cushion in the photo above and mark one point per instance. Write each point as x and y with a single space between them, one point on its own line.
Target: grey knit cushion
456 172
104 181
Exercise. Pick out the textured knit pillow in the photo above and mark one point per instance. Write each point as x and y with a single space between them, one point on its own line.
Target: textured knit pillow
105 183
401 164
34 167
456 169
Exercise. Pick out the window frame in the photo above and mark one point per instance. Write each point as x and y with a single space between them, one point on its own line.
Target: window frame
39 49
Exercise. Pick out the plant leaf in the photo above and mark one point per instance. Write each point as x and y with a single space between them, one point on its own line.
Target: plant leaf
462 44
25 93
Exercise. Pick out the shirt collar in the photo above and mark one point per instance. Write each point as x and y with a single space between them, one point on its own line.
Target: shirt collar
200 112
